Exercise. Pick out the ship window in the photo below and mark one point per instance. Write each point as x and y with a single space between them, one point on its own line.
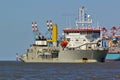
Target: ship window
81 33
76 39
84 40
96 35
68 39
67 33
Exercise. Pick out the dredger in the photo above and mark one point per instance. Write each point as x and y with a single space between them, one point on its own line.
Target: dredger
82 43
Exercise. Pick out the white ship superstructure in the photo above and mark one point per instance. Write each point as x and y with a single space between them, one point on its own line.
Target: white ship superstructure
83 33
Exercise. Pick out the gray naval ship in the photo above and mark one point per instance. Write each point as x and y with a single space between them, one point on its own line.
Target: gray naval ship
82 43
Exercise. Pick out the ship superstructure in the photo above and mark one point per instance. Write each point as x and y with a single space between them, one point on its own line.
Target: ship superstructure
83 32
83 43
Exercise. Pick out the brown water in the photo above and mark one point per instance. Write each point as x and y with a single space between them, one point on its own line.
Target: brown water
11 70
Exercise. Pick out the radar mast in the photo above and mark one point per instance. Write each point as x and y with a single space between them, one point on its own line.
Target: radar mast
83 20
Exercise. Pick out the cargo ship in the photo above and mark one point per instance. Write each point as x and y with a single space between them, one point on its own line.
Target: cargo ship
112 40
83 43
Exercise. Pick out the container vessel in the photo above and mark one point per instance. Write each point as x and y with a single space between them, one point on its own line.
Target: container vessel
112 40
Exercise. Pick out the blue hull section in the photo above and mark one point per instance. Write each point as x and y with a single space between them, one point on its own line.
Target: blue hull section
112 57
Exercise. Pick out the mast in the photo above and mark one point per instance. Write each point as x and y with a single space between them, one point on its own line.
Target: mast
84 20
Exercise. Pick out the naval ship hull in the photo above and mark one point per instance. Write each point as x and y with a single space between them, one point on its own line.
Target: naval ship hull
66 56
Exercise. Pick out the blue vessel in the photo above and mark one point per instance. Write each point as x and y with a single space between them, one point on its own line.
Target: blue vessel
113 54
111 38
112 57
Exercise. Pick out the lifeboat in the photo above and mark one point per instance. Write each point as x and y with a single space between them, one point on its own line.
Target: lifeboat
64 43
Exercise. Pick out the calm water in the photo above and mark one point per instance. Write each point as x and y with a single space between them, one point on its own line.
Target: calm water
11 70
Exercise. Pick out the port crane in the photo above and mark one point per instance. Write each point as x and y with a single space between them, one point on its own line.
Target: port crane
113 30
104 32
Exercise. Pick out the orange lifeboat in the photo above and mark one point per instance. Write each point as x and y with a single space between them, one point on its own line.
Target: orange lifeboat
64 43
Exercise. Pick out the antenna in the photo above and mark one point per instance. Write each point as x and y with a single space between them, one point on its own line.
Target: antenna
33 28
82 10
49 24
36 27
50 27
